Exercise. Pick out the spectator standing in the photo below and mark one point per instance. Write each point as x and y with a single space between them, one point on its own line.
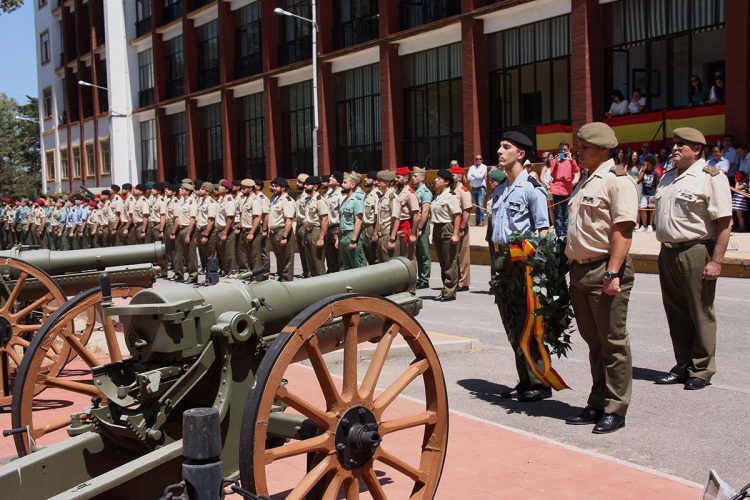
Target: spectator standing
730 154
637 102
716 96
645 150
634 168
619 105
477 176
565 174
648 179
744 159
697 92
717 160
739 200
621 159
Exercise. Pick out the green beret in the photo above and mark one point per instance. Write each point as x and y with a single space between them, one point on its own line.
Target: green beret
599 134
150 185
497 175
689 134
387 175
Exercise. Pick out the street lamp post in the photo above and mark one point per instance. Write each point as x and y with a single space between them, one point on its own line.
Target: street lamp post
281 12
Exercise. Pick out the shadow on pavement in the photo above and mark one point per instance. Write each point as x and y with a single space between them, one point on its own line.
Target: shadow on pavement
647 374
490 392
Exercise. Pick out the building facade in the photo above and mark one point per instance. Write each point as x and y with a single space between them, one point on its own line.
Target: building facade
223 88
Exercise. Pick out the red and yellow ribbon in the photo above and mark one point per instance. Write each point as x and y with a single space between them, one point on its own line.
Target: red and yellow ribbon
534 324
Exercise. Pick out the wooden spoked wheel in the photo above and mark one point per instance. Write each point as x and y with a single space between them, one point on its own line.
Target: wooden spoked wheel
357 434
49 389
21 317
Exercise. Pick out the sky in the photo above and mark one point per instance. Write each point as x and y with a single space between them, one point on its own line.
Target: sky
18 53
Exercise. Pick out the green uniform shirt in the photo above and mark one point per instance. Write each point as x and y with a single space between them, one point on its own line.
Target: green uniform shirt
350 208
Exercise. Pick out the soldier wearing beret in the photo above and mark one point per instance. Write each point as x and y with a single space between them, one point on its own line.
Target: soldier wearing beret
139 214
265 202
602 214
333 197
351 253
519 206
424 197
185 212
280 220
316 226
388 213
445 210
127 215
464 253
225 215
409 217
368 218
693 223
299 222
206 238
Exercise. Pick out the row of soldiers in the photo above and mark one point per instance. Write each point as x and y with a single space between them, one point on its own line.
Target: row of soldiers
333 223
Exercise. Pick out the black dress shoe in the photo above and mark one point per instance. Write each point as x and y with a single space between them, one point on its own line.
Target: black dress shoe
532 395
422 286
445 299
589 415
511 394
608 423
463 288
695 383
670 379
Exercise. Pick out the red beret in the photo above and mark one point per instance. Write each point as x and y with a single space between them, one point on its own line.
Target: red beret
227 184
403 171
40 201
92 204
457 169
7 200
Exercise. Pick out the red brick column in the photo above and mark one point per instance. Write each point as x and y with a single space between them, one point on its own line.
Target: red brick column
193 136
475 87
390 17
326 20
272 118
327 129
391 106
737 78
586 62
228 135
226 43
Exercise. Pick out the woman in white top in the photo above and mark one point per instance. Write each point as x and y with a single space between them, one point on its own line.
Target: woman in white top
637 102
619 105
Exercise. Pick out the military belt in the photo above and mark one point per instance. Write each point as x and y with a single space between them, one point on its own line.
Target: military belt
682 244
591 260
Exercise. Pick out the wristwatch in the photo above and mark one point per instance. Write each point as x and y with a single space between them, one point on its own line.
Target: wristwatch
609 275
392 240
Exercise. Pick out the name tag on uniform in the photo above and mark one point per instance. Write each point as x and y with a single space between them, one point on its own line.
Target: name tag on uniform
590 201
686 195
514 206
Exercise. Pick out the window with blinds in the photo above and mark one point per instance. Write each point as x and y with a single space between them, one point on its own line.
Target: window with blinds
358 119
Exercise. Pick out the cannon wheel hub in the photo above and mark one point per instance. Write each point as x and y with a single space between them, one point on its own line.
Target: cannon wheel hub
357 437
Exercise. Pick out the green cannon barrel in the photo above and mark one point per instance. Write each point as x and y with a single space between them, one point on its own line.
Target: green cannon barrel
94 259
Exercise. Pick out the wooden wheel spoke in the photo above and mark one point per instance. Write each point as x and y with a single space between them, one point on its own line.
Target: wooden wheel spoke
351 356
367 389
310 445
352 489
399 424
311 479
13 354
402 382
325 379
373 485
19 329
57 423
71 385
334 486
34 305
321 419
400 465
80 349
17 288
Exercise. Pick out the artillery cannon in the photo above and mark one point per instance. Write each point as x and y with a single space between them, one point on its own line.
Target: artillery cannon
237 347
34 283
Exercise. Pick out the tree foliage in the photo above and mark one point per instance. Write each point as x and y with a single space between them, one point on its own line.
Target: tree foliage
20 159
10 5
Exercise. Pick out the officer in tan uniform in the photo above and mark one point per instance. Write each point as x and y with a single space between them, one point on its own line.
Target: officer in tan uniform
169 243
388 213
182 235
251 220
409 216
205 220
299 223
157 217
225 216
602 215
126 219
139 213
39 223
280 222
464 248
693 223
334 197
265 253
117 207
240 198
369 216
316 227
445 211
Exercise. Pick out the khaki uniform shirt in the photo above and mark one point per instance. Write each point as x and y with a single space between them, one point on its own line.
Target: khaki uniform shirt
371 207
315 209
250 209
300 205
264 202
104 216
688 203
388 209
464 197
227 208
282 208
140 209
239 202
409 203
53 220
185 209
207 209
333 198
445 207
127 208
158 208
596 205
93 220
171 208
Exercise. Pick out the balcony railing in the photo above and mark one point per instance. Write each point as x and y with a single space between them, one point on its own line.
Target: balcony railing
213 170
200 3
357 31
248 65
418 13
295 50
143 26
208 77
175 88
172 12
148 175
146 97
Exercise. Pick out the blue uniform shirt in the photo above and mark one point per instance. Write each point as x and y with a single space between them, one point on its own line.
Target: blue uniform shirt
518 208
350 208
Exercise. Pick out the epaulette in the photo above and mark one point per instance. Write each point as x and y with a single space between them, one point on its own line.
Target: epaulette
412 190
466 189
618 171
713 171
534 182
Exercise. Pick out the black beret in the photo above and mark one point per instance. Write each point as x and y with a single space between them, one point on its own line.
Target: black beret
518 139
259 182
372 174
446 174
77 197
281 181
140 187
159 186
115 187
127 185
106 192
235 182
313 181
338 176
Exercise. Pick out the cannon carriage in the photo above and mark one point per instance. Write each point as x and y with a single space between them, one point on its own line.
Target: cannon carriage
238 347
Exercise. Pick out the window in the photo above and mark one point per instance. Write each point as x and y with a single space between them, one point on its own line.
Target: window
90 160
358 22
49 164
208 55
433 107
296 129
76 162
148 151
44 47
146 77
64 172
47 102
105 157
659 45
209 120
172 10
175 162
62 43
142 17
175 67
296 42
249 60
250 136
358 119
418 12
529 80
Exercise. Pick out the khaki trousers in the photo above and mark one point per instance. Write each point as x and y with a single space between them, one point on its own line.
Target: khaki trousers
299 235
185 255
447 253
601 320
464 264
689 303
226 251
332 254
284 254
382 253
243 258
368 246
315 256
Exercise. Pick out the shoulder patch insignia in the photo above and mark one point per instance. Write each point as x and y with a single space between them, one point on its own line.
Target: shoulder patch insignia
713 171
466 189
618 171
534 182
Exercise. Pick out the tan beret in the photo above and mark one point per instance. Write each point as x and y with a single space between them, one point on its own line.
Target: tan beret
387 175
188 186
248 183
186 181
418 170
302 177
689 134
355 176
207 186
599 134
